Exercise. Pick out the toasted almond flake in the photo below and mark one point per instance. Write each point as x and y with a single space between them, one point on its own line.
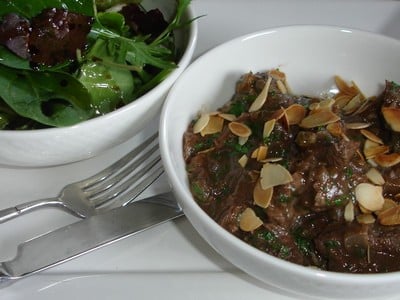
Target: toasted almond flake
342 100
278 114
326 104
387 160
375 176
314 106
335 129
366 219
371 136
262 153
320 118
369 196
372 149
262 97
363 209
271 159
344 87
281 86
295 113
349 212
392 117
262 197
354 104
277 75
239 129
390 216
249 220
243 160
273 175
201 123
268 127
345 137
228 117
357 125
242 140
254 154
370 161
389 203
214 125
207 150
364 105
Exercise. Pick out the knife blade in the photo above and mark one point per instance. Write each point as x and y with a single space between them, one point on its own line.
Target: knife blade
86 235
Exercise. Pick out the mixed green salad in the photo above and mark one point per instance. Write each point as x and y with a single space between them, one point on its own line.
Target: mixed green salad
65 61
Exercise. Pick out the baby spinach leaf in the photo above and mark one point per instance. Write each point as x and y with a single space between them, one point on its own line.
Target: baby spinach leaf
51 98
9 59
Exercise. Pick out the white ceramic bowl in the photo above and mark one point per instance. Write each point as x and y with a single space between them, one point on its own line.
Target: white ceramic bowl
55 146
310 56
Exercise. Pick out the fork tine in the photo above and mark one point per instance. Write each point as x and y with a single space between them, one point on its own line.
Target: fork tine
102 186
131 194
115 167
119 187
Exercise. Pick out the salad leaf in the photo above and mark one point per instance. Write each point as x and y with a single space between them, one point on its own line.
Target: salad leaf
118 66
29 9
55 99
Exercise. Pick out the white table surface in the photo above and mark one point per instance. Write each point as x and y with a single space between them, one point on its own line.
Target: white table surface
170 261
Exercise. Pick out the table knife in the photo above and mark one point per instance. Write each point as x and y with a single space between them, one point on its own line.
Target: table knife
86 235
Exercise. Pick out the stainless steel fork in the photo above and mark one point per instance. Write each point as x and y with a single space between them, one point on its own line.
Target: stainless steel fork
125 179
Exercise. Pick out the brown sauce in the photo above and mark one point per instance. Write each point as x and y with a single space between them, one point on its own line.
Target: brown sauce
312 181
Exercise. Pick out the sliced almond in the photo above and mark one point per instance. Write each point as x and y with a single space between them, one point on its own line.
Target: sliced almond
277 75
277 115
371 136
249 220
349 212
243 160
228 117
201 123
273 175
326 104
390 216
336 129
271 159
392 117
254 154
295 113
344 88
353 104
389 203
369 196
214 125
262 97
320 118
239 129
375 176
359 125
372 149
268 127
262 153
342 100
281 86
242 140
366 219
387 160
262 197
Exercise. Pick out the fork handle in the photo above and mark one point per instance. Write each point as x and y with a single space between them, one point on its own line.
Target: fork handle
10 213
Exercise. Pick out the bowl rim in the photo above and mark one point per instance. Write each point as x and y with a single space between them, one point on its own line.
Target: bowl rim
309 272
184 60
